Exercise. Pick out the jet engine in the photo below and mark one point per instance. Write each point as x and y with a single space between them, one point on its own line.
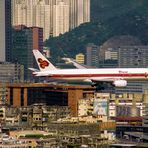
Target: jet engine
120 83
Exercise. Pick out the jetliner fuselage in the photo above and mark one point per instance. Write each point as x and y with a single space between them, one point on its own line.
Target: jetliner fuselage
99 74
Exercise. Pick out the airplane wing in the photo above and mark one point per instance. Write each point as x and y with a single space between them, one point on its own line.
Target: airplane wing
105 79
119 82
76 64
93 79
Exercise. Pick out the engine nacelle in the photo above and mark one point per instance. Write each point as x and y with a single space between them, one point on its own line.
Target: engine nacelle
120 83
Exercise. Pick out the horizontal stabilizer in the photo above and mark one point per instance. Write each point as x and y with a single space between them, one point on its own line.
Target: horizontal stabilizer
33 69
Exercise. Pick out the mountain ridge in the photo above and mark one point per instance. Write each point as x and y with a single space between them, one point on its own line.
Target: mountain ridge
132 20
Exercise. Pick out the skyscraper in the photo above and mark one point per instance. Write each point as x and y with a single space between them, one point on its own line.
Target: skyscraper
72 13
60 18
42 19
25 39
79 12
86 11
92 54
5 30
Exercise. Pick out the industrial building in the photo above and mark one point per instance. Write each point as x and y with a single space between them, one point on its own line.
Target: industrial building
64 95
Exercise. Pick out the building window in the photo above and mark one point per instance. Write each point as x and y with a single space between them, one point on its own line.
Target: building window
11 96
22 97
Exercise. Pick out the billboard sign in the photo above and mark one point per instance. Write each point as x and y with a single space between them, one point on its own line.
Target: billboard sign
100 107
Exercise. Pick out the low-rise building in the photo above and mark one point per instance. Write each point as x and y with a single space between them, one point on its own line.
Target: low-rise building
72 129
98 108
125 105
80 58
12 117
36 116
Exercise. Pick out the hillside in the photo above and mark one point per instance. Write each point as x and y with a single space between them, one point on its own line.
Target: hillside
109 18
102 10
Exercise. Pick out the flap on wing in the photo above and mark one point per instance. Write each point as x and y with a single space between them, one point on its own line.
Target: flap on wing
102 79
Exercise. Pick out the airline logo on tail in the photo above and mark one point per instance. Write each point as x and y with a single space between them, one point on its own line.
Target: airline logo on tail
43 63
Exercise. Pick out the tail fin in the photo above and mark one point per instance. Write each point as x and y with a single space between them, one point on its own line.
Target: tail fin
43 63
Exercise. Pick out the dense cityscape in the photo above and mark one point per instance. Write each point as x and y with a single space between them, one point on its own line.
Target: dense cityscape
39 111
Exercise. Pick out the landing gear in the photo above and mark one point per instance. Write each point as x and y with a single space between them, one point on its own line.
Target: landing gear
104 86
93 84
100 86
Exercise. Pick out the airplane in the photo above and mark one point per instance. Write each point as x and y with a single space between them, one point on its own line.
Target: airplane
116 76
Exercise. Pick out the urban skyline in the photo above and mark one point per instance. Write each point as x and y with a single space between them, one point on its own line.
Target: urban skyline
55 17
44 112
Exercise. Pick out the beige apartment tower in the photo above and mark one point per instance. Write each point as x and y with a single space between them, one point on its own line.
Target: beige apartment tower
60 18
79 12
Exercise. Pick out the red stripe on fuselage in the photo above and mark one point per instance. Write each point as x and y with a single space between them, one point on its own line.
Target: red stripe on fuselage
99 75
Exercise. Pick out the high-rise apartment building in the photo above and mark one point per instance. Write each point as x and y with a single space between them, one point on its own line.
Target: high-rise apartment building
60 18
72 13
86 11
42 18
79 12
83 11
54 16
133 56
92 54
5 30
21 11
25 39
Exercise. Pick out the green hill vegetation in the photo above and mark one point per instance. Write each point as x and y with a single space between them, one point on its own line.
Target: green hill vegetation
108 18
